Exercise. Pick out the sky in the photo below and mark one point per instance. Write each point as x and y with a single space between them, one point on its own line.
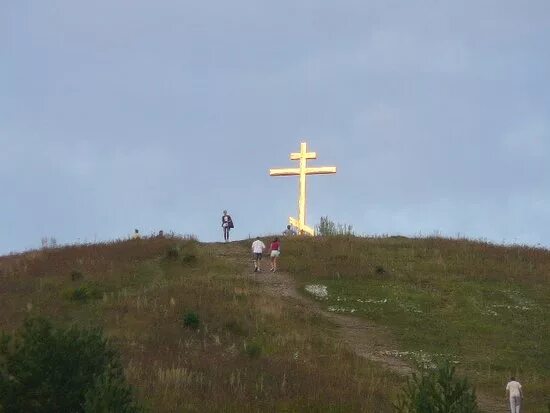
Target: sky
126 114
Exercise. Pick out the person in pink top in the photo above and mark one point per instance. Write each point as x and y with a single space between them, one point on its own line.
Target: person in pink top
275 252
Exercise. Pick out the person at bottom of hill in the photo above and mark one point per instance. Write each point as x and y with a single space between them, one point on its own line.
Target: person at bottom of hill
227 225
513 390
275 252
258 248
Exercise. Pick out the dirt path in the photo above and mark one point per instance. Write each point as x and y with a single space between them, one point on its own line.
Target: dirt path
364 338
361 336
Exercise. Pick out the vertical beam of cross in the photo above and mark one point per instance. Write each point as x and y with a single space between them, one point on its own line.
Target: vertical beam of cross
302 199
302 171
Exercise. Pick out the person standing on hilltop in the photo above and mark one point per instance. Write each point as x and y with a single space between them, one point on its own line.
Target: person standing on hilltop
258 248
275 252
227 224
289 232
514 392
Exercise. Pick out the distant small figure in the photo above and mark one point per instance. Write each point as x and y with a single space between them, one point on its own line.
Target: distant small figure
513 390
161 234
275 253
227 225
288 232
257 251
136 234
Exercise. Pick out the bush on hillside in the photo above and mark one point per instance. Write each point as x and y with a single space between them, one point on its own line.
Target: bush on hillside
173 252
327 227
83 293
184 252
254 350
191 320
189 259
379 270
437 391
44 369
76 275
110 394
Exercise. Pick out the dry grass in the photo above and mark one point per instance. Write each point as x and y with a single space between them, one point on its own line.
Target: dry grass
250 352
253 352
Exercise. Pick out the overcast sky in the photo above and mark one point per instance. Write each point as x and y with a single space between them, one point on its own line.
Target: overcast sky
126 114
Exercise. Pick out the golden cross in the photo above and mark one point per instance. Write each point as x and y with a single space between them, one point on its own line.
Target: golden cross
302 171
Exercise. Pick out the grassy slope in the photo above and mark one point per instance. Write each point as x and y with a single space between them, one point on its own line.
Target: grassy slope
482 305
251 353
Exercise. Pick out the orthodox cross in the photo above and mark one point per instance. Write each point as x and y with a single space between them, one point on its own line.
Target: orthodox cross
302 171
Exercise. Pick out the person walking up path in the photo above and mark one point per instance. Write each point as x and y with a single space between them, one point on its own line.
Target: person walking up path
275 252
258 248
227 224
513 390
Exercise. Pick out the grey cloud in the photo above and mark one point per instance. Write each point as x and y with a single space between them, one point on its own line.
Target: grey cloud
124 114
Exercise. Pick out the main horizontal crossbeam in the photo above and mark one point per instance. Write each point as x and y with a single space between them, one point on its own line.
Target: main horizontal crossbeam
324 170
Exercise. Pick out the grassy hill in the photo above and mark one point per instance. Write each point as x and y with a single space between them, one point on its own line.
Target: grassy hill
483 306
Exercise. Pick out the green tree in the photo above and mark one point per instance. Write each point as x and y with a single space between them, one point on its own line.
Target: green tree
46 369
110 394
437 391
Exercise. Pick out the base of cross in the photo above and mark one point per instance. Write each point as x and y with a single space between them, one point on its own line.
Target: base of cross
302 228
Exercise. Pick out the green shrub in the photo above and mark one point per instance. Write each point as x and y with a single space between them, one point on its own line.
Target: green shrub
191 320
186 253
173 252
44 369
437 391
254 350
189 259
76 275
379 270
83 293
80 294
110 394
327 227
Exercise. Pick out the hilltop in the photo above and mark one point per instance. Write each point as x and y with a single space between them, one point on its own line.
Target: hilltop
336 330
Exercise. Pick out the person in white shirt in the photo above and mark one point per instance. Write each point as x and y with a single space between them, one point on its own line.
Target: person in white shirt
258 248
513 390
